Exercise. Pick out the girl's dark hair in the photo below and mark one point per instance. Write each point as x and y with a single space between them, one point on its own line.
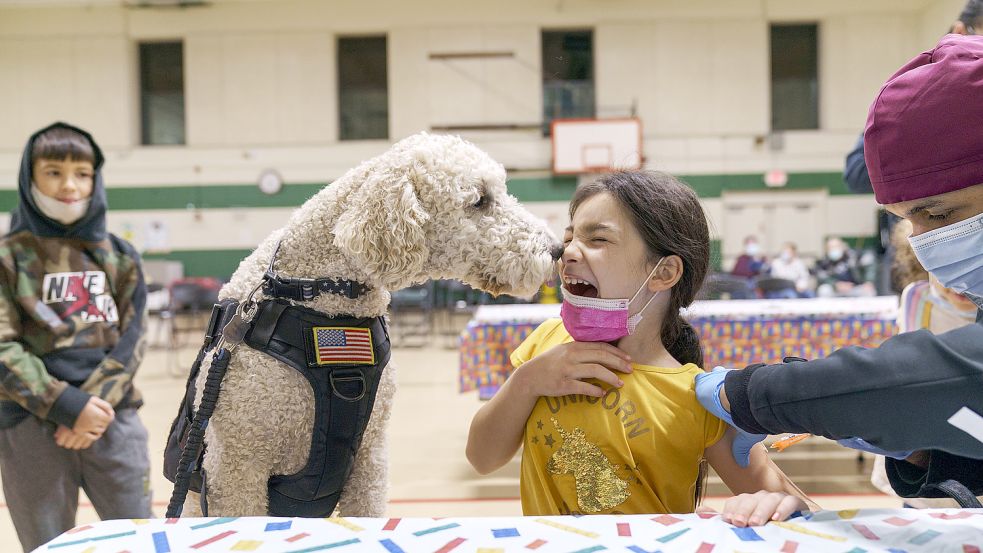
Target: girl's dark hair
972 15
905 268
61 143
671 220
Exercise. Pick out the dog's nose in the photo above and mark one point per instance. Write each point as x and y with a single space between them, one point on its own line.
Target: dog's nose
556 250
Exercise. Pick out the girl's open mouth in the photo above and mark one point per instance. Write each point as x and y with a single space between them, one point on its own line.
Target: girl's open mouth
580 288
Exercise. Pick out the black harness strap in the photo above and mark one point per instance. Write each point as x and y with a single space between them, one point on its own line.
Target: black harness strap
957 491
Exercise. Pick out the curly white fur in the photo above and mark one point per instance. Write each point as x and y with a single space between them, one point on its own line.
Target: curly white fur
431 207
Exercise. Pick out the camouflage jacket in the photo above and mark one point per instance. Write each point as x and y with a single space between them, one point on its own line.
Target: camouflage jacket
71 325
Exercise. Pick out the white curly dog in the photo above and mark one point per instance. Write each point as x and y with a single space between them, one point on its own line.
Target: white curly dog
431 207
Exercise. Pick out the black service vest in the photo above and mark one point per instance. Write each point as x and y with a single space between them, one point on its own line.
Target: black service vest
342 358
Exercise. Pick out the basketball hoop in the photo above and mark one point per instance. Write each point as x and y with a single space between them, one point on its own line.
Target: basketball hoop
596 145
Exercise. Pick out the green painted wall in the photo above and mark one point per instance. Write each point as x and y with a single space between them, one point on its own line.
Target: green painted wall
222 263
541 189
215 263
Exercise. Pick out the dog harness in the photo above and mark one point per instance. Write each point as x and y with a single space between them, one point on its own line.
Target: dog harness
341 357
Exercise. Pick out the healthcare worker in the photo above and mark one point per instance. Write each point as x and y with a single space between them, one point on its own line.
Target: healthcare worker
918 398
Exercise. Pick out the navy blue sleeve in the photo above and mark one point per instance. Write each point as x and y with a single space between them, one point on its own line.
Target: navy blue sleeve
898 397
855 172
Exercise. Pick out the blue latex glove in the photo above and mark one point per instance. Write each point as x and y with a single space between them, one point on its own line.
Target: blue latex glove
862 445
708 387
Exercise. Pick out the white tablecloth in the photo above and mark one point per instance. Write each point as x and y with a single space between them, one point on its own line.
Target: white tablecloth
896 530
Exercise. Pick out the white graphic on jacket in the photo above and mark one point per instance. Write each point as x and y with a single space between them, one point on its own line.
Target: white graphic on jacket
80 292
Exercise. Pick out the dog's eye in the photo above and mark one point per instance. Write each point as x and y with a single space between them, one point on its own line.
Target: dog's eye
481 203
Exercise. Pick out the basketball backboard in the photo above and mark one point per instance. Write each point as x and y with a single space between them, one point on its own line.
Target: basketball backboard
596 145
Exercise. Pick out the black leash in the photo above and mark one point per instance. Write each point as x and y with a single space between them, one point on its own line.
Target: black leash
232 335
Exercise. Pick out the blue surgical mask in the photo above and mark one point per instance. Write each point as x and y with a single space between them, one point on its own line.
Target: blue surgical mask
954 254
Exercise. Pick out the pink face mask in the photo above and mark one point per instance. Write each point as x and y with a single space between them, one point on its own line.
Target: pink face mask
600 319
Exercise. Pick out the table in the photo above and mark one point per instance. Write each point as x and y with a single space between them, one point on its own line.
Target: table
908 530
734 333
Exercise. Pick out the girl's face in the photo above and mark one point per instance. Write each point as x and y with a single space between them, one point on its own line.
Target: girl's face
604 255
65 180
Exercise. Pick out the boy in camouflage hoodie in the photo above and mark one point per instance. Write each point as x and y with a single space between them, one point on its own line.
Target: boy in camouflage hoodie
72 302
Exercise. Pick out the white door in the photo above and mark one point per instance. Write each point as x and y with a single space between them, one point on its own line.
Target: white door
774 217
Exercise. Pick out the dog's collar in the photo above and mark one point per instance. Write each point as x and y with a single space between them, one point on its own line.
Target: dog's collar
306 289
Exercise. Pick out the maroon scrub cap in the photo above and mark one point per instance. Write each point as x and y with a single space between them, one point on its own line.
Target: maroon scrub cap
924 133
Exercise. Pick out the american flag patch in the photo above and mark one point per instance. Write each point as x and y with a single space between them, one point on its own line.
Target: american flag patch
343 345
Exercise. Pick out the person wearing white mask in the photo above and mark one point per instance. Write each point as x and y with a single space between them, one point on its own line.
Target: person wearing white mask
918 398
72 307
789 266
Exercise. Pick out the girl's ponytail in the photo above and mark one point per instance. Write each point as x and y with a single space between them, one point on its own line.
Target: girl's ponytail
682 341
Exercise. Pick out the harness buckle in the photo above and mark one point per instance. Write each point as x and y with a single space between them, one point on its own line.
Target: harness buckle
353 290
212 329
307 288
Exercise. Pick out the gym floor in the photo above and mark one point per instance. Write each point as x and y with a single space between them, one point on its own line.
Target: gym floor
429 473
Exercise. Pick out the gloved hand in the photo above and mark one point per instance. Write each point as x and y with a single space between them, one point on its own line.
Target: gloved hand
862 445
708 387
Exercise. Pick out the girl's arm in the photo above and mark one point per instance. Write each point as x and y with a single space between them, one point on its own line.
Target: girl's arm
763 491
496 430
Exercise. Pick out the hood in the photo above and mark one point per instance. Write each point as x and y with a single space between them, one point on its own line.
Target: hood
26 216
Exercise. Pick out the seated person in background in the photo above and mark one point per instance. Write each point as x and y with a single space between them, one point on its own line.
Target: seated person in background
789 266
925 303
750 263
840 272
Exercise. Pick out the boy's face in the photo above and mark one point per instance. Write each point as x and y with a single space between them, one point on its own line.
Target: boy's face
65 180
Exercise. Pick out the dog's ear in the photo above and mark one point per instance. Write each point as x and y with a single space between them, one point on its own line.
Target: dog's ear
381 230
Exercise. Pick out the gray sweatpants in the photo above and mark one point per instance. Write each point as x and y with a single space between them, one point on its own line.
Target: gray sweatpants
41 480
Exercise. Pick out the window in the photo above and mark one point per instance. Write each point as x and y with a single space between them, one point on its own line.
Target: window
568 75
794 77
363 88
162 93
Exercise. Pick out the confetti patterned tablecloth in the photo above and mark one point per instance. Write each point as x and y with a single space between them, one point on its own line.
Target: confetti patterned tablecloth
730 339
855 531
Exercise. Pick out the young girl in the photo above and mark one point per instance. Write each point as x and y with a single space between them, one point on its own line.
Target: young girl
609 429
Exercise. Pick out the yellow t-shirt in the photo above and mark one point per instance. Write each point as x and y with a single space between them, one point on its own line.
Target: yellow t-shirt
635 450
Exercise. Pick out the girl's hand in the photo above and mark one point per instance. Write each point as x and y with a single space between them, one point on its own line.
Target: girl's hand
756 509
562 370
